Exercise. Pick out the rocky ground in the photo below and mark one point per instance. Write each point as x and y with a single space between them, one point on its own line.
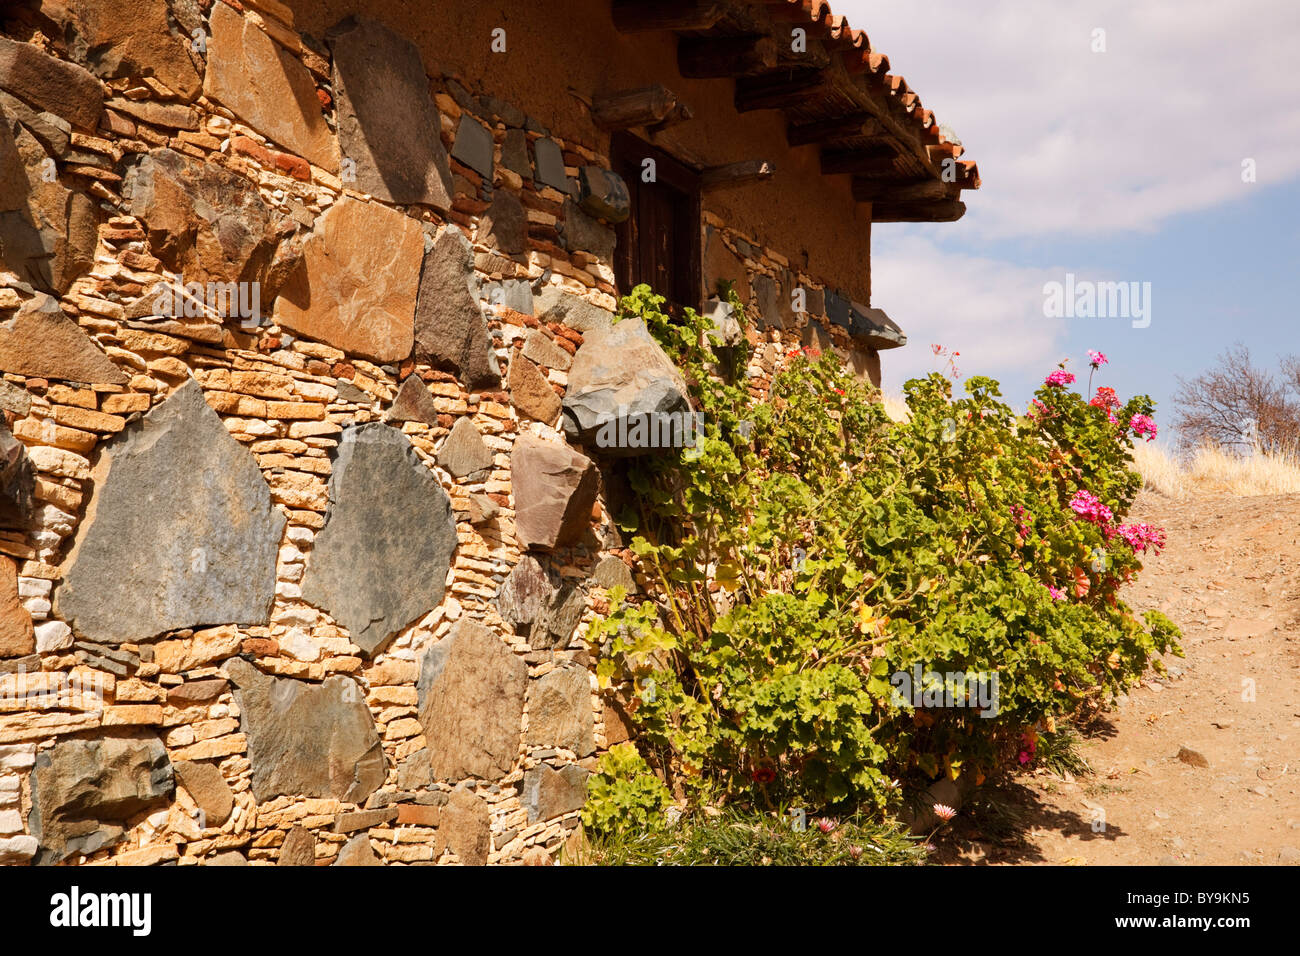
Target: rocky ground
1191 767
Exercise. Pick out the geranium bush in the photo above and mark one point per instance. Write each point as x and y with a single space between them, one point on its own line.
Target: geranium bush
810 548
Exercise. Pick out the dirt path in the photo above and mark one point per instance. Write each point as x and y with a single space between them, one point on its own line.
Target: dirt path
1230 578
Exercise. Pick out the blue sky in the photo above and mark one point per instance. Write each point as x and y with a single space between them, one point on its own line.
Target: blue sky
1116 165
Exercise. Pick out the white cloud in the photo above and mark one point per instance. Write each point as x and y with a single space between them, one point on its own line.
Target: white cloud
1074 142
989 311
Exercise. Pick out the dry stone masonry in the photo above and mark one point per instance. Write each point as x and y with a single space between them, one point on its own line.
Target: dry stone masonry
304 348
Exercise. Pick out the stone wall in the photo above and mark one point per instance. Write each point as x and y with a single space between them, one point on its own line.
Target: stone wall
305 581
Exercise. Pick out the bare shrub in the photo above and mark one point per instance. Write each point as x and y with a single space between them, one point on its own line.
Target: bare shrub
1240 407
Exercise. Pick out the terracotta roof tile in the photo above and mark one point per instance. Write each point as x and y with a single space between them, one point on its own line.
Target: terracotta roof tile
855 47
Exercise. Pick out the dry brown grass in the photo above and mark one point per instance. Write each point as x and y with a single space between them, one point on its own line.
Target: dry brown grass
1212 471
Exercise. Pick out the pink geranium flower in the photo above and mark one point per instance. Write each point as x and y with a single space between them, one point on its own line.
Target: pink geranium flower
1096 359
1060 378
1142 426
1140 537
1089 507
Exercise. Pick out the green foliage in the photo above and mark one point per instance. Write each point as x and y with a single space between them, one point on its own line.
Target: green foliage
811 548
736 838
624 795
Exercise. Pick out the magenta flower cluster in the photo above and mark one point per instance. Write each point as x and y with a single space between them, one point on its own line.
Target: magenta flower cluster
1060 378
1142 425
1089 507
1142 536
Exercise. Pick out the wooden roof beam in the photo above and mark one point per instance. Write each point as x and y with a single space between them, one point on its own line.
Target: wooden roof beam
624 109
643 16
701 58
910 190
878 160
774 91
731 175
828 131
944 210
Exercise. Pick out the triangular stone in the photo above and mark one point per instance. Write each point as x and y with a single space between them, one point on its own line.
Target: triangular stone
41 342
464 452
450 331
413 403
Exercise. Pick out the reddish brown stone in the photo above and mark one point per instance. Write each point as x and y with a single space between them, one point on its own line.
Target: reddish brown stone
554 489
352 291
418 815
260 647
16 632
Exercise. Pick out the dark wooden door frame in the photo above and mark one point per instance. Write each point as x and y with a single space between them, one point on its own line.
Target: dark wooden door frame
627 153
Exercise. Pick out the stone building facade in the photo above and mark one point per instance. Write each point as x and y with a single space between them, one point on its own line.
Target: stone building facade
305 335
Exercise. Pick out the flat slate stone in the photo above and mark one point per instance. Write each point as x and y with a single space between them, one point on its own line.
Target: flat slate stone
603 194
549 793
464 452
122 38
553 304
267 87
621 376
85 791
559 711
15 399
298 848
504 225
48 233
550 164
524 594
514 153
413 403
471 704
54 133
766 297
531 393
554 627
612 573
554 489
358 852
465 827
838 310
381 560
181 531
204 221
450 331
512 293
17 482
305 739
539 348
473 146
388 124
579 230
205 783
352 291
16 631
39 341
51 84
